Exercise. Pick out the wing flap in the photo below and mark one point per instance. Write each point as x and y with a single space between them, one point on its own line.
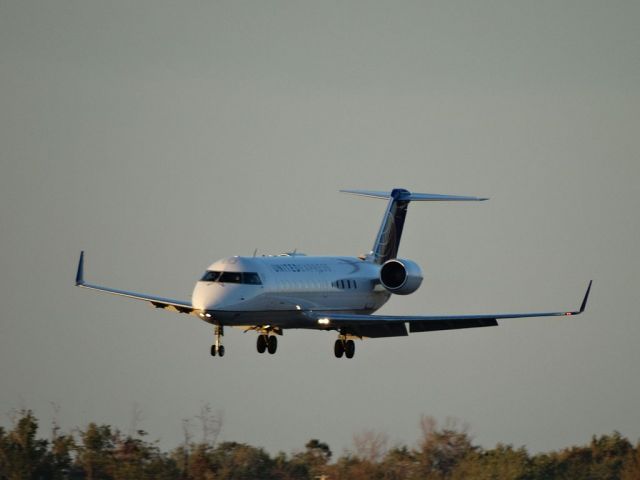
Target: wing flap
432 326
378 331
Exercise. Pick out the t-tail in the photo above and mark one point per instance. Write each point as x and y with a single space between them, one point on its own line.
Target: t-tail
387 241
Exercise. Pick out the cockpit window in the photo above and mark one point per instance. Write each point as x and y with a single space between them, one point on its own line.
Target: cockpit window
250 278
230 277
210 276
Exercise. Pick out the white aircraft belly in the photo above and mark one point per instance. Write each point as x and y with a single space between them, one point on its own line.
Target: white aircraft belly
290 301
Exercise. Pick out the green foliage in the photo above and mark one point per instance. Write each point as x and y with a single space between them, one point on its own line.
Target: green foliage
442 453
503 462
22 456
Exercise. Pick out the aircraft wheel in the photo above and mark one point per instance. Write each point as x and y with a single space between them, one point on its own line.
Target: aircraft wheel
261 345
349 348
272 344
213 350
221 350
338 348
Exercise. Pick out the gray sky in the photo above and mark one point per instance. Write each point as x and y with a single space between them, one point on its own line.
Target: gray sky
160 136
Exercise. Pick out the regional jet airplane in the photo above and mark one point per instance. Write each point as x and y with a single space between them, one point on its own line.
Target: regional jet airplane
268 294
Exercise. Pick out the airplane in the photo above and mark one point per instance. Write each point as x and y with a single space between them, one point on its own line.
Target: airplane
271 293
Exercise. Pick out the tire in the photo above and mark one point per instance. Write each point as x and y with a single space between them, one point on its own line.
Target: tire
338 348
221 350
272 344
213 350
349 348
261 344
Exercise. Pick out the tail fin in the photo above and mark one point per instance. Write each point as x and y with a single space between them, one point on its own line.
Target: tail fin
388 238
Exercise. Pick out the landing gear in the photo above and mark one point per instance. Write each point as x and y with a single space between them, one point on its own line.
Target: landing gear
217 348
267 343
344 347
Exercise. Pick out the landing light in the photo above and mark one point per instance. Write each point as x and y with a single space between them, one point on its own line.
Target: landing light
323 321
208 315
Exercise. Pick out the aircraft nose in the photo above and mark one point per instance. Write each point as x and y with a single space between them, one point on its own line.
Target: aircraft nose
207 296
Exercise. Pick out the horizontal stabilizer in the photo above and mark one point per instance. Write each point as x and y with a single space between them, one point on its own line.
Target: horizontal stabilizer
387 241
404 195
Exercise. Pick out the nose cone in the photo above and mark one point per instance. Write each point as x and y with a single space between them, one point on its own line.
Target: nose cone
207 296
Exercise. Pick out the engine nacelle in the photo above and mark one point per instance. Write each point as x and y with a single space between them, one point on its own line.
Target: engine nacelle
400 276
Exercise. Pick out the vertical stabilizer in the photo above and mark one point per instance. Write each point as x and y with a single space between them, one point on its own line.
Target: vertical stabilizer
387 241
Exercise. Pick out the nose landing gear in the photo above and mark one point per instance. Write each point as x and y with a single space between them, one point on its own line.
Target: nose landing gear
217 348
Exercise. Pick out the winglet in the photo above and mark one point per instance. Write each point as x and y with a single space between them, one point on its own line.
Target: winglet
80 273
586 297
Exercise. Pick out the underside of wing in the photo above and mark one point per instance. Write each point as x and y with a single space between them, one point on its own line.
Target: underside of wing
394 325
158 302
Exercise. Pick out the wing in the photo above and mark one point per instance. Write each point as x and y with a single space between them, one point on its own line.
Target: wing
158 302
391 325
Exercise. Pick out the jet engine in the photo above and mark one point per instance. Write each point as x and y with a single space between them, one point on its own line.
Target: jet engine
400 276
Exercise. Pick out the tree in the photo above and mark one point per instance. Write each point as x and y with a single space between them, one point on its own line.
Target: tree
370 445
443 453
441 449
95 453
311 463
201 464
503 462
399 464
59 456
608 453
237 461
631 468
22 456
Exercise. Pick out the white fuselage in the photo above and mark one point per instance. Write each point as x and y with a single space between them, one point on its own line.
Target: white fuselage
251 290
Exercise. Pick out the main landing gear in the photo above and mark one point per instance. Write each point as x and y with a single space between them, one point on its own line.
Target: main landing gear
217 348
344 347
267 342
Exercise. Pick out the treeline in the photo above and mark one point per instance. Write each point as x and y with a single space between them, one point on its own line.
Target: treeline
443 452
